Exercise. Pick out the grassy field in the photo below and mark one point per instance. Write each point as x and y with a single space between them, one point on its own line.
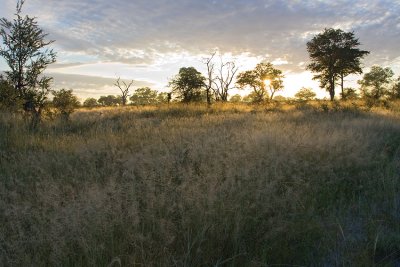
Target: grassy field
233 185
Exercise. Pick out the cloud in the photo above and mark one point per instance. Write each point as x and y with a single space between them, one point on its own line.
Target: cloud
146 36
114 30
90 86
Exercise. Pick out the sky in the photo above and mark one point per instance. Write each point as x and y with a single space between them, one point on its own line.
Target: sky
148 41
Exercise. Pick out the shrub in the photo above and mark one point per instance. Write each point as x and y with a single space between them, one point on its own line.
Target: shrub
65 102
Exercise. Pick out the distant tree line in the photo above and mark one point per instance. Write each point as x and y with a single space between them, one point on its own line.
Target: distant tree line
141 96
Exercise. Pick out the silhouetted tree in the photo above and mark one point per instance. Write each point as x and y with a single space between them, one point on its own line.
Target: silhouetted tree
65 102
222 81
25 51
210 79
334 54
262 77
226 74
375 84
305 94
124 88
144 96
90 102
187 85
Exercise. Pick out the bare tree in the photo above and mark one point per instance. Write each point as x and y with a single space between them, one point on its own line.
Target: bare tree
227 72
210 79
219 83
124 88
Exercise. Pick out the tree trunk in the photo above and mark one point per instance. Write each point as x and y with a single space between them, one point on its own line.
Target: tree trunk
208 97
342 85
332 89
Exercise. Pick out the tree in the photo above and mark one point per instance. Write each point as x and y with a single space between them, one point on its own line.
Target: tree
210 80
305 94
264 75
221 82
144 96
25 51
109 100
90 102
334 54
65 102
187 85
124 88
375 84
236 98
226 73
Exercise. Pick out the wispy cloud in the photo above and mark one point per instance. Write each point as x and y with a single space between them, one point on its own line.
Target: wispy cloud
113 30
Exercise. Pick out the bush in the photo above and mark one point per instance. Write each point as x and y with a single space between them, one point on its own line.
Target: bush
305 94
65 102
8 96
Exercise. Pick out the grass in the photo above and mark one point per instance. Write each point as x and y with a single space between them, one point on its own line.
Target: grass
230 185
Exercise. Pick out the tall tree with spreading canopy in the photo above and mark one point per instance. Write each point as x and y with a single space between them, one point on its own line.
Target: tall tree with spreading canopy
187 85
334 55
262 77
26 53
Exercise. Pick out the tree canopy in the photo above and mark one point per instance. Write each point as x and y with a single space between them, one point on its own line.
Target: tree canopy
65 102
305 94
187 85
334 55
375 84
144 96
25 51
110 100
259 79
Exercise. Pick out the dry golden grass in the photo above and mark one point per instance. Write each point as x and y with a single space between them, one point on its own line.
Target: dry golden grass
230 185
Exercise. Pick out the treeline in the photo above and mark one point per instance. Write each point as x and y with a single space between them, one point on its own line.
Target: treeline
141 96
265 80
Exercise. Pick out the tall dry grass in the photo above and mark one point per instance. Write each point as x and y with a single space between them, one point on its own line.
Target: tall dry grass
195 186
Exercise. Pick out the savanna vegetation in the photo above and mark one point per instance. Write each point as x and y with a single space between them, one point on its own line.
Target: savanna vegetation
197 176
230 185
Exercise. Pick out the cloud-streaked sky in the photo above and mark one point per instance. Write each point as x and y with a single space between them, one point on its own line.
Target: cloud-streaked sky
148 41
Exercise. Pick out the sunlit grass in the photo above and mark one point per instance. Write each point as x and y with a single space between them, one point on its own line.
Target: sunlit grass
189 185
